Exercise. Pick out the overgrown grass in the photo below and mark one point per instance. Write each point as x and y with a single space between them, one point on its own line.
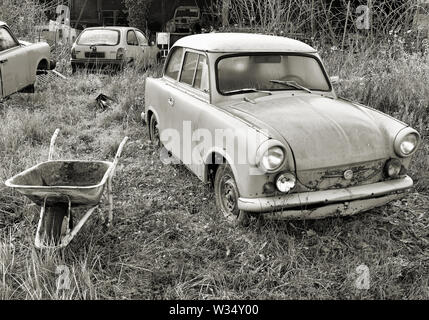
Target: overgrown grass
168 240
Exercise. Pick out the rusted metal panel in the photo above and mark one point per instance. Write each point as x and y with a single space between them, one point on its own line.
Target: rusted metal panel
334 210
333 178
321 198
58 181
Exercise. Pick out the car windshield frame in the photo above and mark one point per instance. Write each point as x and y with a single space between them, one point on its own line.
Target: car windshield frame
99 44
261 53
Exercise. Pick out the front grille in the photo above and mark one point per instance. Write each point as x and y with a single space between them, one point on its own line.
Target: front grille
94 55
333 178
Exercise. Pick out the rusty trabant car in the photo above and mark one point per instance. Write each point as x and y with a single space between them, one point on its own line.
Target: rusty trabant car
257 115
20 62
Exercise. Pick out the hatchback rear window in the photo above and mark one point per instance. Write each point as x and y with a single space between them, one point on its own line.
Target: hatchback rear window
99 37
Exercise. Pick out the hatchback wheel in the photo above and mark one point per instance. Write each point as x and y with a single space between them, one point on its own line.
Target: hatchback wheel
227 195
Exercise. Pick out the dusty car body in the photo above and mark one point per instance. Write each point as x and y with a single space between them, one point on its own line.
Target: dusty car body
309 154
185 20
103 47
20 62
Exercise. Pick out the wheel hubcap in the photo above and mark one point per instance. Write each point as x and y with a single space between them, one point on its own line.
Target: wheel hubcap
229 197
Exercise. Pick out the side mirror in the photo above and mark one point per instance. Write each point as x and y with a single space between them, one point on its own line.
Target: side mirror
334 79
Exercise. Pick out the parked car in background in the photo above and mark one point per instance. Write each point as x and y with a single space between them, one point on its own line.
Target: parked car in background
107 47
308 154
186 20
20 62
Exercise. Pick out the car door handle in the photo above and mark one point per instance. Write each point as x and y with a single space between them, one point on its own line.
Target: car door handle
171 101
3 61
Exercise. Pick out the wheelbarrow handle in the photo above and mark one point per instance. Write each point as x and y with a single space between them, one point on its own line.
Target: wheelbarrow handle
51 148
118 155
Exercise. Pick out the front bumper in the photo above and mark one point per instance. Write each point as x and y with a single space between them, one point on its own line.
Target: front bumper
321 204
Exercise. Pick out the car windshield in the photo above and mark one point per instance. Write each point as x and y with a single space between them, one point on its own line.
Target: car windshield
270 72
182 13
99 37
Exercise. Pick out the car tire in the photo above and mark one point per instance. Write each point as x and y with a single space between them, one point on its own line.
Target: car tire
154 132
227 194
28 89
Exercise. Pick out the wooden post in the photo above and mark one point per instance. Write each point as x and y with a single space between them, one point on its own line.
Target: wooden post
225 12
312 18
345 25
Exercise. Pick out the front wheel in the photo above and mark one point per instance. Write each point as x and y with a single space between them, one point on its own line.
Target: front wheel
54 224
154 131
227 195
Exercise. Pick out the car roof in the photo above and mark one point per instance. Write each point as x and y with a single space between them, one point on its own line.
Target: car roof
111 28
242 42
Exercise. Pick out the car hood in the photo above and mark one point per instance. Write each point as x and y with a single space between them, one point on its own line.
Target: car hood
322 132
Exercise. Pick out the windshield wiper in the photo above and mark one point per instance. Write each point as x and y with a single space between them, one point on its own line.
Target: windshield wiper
293 84
248 89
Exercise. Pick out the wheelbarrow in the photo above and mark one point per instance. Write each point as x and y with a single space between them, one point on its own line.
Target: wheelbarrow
57 186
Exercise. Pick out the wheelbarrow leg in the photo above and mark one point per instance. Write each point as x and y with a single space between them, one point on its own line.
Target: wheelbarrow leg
110 199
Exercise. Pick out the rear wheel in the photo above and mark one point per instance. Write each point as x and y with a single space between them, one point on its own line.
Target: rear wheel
227 195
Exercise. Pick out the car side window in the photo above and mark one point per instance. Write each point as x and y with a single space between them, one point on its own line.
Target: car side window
142 39
132 38
174 63
202 75
6 40
189 66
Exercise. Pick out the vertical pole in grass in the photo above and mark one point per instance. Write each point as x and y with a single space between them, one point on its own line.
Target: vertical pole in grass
370 21
312 18
345 25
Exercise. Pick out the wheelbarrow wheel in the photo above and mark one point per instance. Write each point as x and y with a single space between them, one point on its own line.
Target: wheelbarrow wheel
53 222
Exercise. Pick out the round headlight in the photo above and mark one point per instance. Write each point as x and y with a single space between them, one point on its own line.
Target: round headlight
408 144
286 182
273 158
393 168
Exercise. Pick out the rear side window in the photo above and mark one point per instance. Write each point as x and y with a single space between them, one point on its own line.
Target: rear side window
6 40
99 37
142 39
174 63
132 38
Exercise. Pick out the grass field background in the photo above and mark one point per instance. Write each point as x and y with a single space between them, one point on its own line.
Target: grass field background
168 241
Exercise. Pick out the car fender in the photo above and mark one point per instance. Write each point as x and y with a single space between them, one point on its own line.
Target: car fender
37 52
221 152
150 109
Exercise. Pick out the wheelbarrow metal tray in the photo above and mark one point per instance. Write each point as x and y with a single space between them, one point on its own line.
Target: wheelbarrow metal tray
81 182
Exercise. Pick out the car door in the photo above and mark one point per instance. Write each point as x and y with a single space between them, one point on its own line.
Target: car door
134 53
187 102
14 64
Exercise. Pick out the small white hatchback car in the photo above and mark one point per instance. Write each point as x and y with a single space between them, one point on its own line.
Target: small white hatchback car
104 47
